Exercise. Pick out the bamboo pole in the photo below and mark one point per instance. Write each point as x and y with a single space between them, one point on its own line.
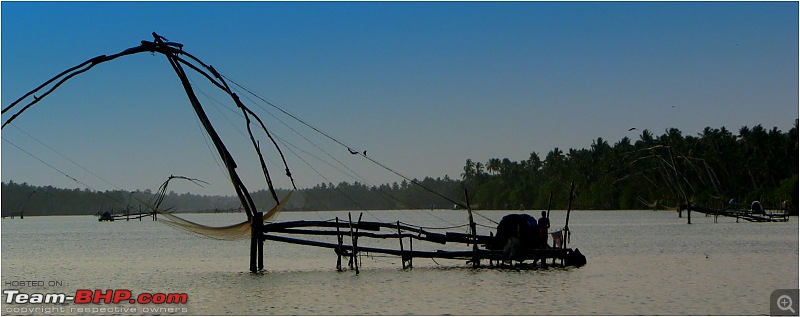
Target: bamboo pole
402 252
569 207
566 222
475 259
254 237
549 204
352 239
259 224
355 245
410 255
339 248
688 212
440 254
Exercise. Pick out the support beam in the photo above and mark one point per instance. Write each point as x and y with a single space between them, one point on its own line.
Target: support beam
254 238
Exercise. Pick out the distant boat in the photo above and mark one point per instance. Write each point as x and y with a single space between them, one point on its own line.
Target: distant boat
106 216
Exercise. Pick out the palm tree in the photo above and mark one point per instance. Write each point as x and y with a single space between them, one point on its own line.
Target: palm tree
469 171
493 166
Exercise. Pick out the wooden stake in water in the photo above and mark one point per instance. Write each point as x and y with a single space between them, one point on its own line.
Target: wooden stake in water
339 248
402 252
476 262
355 243
254 244
569 209
411 256
259 222
352 240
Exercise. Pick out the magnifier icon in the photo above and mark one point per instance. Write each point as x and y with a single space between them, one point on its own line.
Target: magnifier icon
785 303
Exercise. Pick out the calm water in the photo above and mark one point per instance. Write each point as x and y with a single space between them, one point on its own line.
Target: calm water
639 262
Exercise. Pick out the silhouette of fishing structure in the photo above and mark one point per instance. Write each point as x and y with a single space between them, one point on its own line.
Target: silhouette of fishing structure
108 216
757 215
674 176
514 241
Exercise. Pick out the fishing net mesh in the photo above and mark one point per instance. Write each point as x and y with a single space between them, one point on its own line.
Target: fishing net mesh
232 232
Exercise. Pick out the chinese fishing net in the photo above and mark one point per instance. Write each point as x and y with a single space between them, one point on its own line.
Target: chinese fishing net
233 232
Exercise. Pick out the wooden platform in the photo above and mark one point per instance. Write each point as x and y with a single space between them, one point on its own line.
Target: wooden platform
293 232
775 216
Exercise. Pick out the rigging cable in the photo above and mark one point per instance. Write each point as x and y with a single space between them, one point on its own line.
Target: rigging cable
110 197
385 195
60 154
349 148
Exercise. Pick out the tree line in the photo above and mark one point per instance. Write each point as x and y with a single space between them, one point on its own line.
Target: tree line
708 169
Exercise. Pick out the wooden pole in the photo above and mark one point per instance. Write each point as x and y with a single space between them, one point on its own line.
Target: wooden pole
355 244
549 204
491 236
688 212
402 252
410 256
569 206
476 262
339 248
260 230
254 244
352 240
569 209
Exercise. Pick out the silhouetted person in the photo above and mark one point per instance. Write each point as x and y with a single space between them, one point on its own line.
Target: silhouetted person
544 224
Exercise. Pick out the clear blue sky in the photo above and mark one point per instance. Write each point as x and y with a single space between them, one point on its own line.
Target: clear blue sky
421 86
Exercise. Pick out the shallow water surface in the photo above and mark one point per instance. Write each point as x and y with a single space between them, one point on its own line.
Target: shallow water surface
639 262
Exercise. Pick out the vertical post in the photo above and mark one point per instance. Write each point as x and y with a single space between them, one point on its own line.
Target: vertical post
569 209
476 262
255 235
260 230
688 212
491 238
549 204
411 256
140 213
352 240
253 246
402 252
339 248
355 244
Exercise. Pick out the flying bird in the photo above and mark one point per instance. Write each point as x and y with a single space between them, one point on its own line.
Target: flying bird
631 129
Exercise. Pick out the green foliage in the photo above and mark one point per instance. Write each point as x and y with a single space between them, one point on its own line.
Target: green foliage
654 172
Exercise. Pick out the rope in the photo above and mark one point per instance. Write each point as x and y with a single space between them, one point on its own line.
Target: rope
60 154
435 228
112 198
